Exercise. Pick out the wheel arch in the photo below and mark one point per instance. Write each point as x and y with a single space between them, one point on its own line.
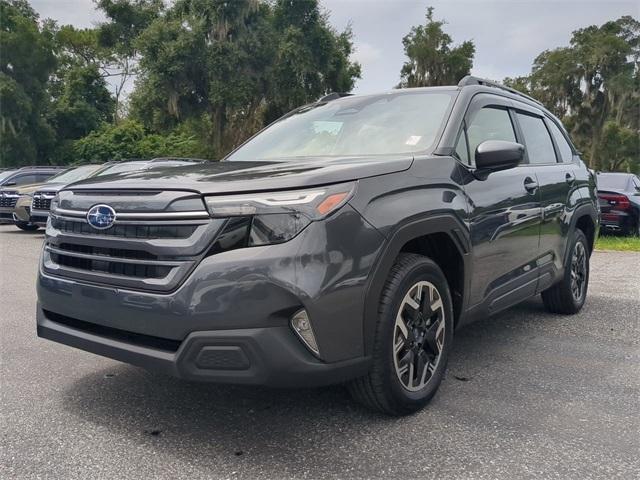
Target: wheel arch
585 218
428 236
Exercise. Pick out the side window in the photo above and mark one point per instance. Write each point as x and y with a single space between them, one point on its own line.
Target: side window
489 124
537 140
566 154
41 177
461 148
636 182
25 180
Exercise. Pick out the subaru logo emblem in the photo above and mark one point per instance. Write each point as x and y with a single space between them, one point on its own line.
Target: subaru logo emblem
101 217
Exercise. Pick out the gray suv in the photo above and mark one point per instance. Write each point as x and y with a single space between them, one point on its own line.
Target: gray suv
346 242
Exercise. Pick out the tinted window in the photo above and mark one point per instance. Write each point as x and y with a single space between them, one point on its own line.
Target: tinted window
566 154
636 182
615 181
25 180
402 122
537 140
461 148
41 177
490 124
122 167
74 174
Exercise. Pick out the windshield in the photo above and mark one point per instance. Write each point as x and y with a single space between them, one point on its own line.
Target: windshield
121 167
6 174
402 122
616 182
74 174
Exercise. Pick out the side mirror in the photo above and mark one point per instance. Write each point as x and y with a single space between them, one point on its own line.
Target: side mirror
496 155
10 184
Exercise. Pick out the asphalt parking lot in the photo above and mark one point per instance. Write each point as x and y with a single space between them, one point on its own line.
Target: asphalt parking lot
527 395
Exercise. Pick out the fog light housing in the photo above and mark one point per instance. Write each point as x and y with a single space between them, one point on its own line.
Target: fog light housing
302 326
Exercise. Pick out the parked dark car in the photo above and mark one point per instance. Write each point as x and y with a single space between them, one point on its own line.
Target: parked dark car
619 195
12 179
344 243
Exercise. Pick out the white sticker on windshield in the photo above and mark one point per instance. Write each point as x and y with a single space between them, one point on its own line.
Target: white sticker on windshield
413 140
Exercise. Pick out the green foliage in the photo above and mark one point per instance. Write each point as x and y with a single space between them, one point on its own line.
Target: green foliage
432 59
617 243
83 102
237 65
619 147
593 85
26 64
129 139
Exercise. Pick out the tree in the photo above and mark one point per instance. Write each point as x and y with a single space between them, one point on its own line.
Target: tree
593 85
201 59
432 59
310 57
127 20
26 64
225 68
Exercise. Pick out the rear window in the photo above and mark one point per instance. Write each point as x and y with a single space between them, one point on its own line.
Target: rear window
615 182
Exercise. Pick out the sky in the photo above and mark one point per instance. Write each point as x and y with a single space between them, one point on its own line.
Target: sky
508 34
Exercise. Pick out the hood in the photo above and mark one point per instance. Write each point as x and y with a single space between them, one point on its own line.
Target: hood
231 177
49 187
28 189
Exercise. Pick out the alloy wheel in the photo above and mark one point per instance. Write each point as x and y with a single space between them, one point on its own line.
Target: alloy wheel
418 335
578 271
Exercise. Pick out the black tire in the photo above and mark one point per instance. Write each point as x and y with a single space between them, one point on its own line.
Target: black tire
381 389
560 298
27 227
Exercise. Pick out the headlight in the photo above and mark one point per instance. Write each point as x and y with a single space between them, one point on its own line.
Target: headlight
54 203
274 217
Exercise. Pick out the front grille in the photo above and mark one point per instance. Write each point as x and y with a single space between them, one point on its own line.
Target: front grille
42 201
147 231
8 200
108 252
150 246
111 266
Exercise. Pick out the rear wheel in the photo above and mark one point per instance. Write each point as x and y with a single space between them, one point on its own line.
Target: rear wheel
28 227
569 295
413 339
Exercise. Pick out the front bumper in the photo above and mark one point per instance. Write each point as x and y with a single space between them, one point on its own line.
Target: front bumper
257 356
6 215
242 298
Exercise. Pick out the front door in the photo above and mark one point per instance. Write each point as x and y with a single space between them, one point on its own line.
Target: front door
504 214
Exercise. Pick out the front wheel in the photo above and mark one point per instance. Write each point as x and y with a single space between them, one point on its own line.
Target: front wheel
568 296
413 338
27 227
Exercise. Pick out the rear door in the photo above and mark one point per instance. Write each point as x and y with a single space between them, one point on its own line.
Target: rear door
504 212
551 157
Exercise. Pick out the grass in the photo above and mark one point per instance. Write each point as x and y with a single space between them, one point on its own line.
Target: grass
620 244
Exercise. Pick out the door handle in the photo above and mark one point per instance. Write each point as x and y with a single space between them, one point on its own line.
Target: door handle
570 178
530 185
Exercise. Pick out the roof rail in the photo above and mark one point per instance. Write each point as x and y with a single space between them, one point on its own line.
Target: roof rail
471 80
48 167
177 159
333 96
